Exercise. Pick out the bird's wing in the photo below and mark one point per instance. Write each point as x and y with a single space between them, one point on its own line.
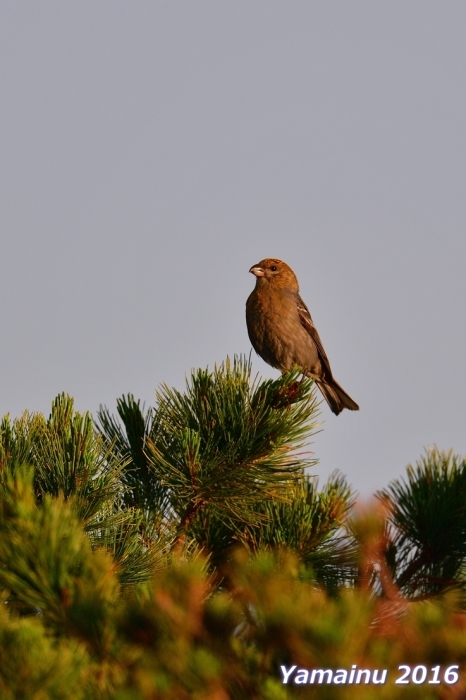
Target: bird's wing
308 325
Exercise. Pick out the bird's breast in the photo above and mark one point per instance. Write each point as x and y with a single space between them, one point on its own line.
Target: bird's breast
276 332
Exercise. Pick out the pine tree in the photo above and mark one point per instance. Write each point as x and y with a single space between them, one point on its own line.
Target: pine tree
187 551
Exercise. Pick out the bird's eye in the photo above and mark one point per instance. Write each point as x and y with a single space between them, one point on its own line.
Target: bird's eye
274 268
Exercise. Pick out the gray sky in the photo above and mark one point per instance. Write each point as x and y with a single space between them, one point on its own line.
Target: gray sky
151 152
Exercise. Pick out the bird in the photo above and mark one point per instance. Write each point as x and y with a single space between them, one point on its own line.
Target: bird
283 334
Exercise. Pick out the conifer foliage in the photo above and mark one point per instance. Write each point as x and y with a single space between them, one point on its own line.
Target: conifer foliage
427 525
187 551
214 463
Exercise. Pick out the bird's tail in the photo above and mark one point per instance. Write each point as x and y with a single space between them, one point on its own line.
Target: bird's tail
336 397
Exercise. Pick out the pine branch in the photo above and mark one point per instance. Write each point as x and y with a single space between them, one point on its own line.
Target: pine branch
129 435
227 443
427 524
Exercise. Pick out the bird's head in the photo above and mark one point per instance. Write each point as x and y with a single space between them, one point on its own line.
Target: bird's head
276 273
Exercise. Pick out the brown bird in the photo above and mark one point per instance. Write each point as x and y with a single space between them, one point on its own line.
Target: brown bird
282 332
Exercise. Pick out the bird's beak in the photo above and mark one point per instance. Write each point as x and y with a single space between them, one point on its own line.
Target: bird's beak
258 271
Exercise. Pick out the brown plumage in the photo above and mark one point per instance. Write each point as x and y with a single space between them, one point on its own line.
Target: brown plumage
282 332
